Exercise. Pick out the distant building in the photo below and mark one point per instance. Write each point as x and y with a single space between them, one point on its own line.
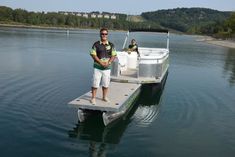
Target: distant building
106 16
93 15
85 15
90 15
113 17
100 16
62 12
78 14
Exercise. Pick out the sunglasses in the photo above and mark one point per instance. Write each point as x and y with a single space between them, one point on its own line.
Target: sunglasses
103 33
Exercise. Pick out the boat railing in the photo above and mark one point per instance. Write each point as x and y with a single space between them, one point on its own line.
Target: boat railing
131 65
148 30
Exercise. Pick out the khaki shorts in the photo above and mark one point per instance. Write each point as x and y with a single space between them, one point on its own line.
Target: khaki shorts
101 76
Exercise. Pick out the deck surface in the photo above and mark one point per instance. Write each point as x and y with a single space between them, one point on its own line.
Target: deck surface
118 94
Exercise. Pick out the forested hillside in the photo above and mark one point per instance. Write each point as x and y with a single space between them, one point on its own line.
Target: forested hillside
21 16
186 19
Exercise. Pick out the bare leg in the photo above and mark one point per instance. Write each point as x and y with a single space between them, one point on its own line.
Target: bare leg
105 92
93 91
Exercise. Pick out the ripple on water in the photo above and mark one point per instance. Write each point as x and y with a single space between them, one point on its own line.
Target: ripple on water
31 101
145 115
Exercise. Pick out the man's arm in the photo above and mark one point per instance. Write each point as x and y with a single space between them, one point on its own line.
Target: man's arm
111 60
96 59
137 50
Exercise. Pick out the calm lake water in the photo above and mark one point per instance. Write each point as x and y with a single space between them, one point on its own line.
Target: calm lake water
191 115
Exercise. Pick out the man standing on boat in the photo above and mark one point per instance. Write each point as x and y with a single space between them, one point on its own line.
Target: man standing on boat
103 54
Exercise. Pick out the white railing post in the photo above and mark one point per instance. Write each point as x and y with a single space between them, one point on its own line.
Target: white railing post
168 34
124 44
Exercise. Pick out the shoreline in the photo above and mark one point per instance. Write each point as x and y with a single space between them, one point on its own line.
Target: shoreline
224 43
49 27
207 39
42 27
218 42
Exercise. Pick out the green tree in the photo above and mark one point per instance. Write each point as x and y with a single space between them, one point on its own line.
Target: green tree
231 23
33 18
61 19
20 15
70 20
6 14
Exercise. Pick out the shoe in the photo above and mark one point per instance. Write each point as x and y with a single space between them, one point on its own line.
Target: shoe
92 101
106 99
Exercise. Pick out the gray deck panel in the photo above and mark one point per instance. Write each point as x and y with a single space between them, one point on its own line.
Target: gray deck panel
118 94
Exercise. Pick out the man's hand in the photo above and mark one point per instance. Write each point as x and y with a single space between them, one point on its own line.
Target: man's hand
104 64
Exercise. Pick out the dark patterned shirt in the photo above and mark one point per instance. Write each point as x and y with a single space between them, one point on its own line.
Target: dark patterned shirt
104 52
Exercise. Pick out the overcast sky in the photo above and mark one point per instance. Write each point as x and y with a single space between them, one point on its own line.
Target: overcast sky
116 6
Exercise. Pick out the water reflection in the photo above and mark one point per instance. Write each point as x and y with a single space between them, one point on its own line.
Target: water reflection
229 66
144 111
98 135
149 104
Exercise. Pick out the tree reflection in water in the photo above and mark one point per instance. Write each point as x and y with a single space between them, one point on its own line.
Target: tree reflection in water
99 136
229 66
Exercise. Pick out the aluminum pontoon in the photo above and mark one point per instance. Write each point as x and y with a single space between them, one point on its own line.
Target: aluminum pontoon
128 72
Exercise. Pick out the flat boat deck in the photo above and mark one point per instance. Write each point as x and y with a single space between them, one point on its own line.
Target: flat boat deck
119 93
